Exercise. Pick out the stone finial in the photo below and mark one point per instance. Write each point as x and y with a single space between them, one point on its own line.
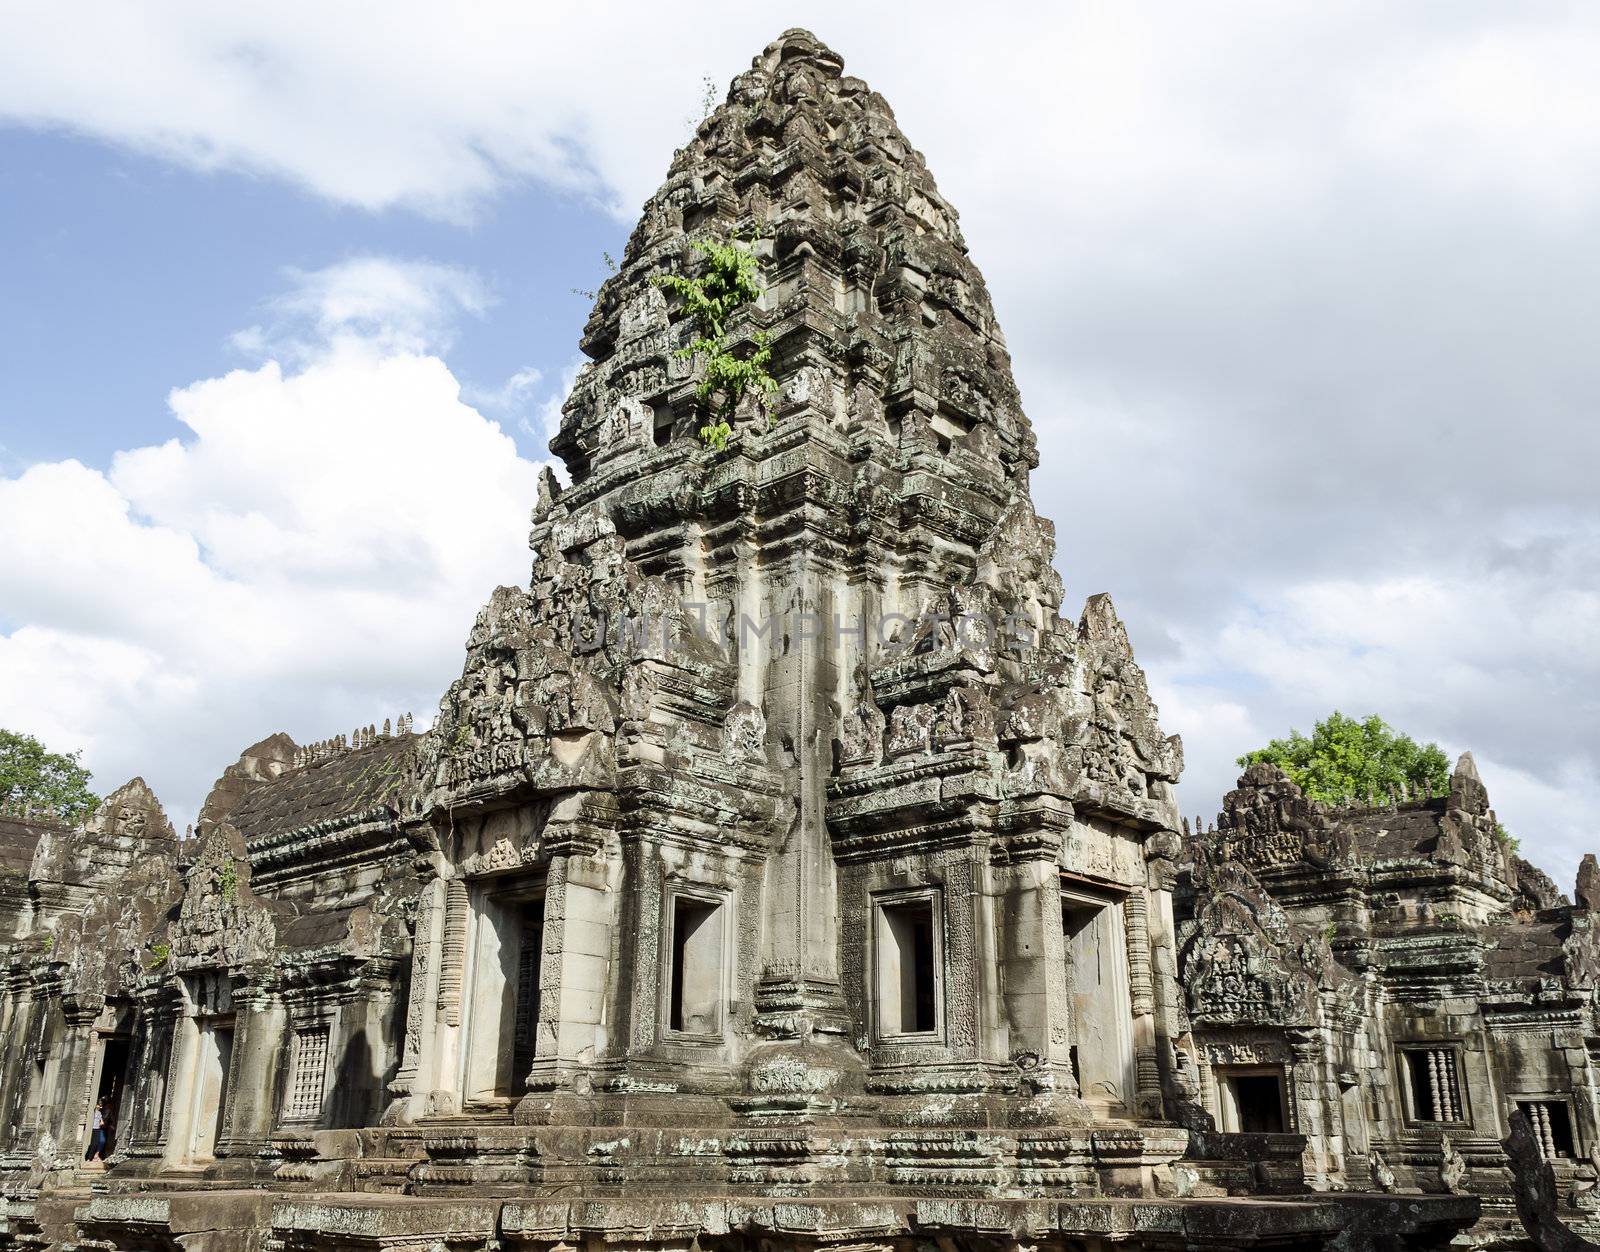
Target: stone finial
1100 621
1587 891
548 489
799 44
1467 791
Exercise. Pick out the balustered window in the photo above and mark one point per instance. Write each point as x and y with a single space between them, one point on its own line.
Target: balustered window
1433 1084
1552 1127
308 1075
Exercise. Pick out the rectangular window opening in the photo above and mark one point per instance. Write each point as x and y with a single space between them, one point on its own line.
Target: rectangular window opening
1552 1127
907 969
694 1003
661 423
1435 1085
310 1070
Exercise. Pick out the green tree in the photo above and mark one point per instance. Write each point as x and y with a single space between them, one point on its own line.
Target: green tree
46 782
1346 758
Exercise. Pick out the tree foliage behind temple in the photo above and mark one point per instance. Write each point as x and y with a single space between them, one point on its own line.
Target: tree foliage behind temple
1346 758
31 777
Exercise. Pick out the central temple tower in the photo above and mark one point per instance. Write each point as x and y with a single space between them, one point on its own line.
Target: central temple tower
871 819
876 481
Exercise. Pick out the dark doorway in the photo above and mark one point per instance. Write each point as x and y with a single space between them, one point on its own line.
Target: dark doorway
1259 1101
108 1098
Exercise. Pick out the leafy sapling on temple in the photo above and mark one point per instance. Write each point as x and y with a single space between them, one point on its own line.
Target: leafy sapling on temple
731 281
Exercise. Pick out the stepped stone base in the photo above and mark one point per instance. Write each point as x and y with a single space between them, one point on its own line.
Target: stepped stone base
235 1221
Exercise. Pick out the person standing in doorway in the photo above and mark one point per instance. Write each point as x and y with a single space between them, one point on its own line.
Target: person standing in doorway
97 1133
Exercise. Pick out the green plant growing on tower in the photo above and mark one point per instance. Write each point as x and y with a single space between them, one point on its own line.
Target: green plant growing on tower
160 952
229 879
732 280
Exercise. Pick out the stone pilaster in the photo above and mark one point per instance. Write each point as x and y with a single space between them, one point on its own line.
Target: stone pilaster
255 1080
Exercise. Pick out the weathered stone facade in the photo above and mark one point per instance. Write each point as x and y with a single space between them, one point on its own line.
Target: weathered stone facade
1392 982
783 870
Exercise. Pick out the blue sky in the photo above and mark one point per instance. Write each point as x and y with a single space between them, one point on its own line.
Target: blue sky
145 269
1300 297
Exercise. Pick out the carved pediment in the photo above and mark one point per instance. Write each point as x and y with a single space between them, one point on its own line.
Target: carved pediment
220 924
1243 963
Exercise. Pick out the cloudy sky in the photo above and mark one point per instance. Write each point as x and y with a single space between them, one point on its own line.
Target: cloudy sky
1302 300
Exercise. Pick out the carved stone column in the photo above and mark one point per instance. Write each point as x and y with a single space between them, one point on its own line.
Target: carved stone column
15 1075
798 995
143 1112
582 891
75 1059
1306 1058
416 1076
1141 985
178 1116
1033 959
258 1050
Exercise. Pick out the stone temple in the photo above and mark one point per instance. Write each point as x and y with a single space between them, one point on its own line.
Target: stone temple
783 870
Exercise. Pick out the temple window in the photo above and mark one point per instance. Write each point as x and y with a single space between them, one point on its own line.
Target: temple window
308 1074
1433 1084
697 945
1551 1121
661 422
1252 1099
908 966
1100 1001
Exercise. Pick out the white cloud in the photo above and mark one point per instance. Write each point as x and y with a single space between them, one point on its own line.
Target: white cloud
308 556
369 303
511 396
437 109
